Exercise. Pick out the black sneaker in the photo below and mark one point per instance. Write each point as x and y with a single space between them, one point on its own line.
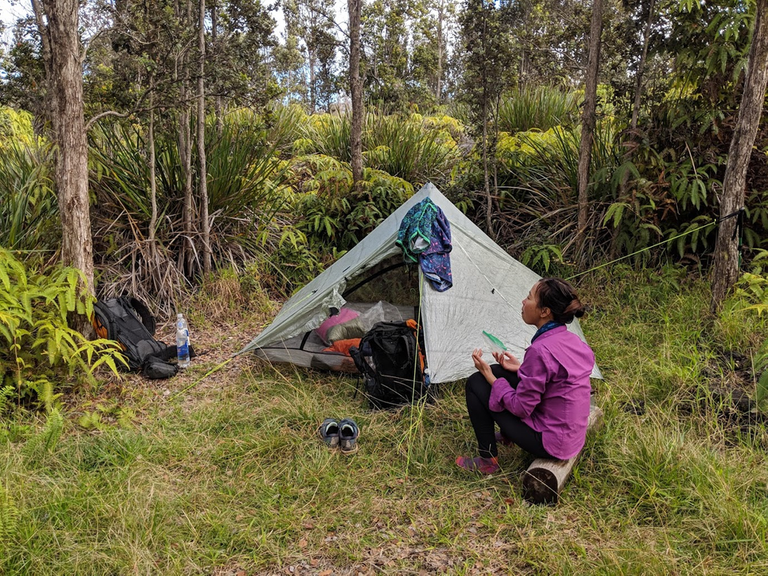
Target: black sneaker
329 432
348 433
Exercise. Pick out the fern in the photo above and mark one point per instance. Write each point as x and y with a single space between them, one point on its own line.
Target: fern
37 346
9 517
44 441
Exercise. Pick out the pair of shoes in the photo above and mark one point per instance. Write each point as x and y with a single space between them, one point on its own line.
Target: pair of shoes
478 464
503 440
341 434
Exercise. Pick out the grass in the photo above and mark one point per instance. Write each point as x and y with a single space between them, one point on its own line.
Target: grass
227 477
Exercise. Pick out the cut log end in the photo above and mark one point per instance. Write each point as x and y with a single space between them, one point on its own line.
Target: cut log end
540 486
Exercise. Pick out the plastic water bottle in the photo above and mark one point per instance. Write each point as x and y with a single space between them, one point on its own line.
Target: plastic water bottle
182 341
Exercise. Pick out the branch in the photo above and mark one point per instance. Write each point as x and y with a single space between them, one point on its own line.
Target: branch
86 45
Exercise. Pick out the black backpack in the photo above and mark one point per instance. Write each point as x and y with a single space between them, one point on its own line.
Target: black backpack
388 359
128 321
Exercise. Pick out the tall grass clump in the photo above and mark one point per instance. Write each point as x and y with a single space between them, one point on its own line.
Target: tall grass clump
411 148
329 134
244 179
28 206
538 107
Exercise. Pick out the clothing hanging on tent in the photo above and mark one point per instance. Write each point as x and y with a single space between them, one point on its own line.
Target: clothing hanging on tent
425 235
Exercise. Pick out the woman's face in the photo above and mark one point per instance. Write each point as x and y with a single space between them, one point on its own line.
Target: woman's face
531 312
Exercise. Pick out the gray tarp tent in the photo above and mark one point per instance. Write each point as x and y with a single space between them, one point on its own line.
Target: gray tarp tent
488 288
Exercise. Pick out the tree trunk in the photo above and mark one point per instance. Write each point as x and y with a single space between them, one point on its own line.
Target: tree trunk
641 69
633 123
65 84
312 82
439 72
187 254
217 105
356 92
588 118
203 176
152 175
50 105
726 265
486 177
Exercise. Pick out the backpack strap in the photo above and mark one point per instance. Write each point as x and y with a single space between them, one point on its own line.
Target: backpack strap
144 314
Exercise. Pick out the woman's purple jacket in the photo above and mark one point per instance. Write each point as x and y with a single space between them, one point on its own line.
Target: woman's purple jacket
552 396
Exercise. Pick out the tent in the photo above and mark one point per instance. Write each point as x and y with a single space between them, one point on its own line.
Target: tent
488 288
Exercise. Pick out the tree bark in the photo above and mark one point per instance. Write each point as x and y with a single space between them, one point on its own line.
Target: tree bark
152 172
217 104
45 46
726 264
439 72
187 254
588 118
203 177
65 83
641 69
356 92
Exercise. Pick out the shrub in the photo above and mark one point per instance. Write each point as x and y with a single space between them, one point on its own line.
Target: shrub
41 347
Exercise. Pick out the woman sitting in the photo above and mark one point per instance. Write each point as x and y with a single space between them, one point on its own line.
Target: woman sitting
541 404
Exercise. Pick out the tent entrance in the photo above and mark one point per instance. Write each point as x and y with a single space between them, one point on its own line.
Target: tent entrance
391 280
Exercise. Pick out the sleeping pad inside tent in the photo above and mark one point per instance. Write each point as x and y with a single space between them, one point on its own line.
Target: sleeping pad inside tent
373 281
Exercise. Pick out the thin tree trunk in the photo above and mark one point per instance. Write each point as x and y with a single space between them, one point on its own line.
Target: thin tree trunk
217 105
439 72
633 122
66 85
203 176
641 69
45 45
187 253
726 264
152 174
356 92
486 177
312 82
588 118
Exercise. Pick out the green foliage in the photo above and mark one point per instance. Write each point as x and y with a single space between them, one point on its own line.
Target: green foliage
9 517
538 107
245 194
44 441
16 128
409 147
751 299
331 135
752 288
39 346
106 415
28 206
331 214
541 257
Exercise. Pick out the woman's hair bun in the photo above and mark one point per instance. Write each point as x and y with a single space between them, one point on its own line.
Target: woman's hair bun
560 297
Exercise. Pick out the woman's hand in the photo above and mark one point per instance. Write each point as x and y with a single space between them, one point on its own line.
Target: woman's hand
507 361
482 366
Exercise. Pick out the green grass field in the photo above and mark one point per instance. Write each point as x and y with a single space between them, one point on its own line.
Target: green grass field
228 477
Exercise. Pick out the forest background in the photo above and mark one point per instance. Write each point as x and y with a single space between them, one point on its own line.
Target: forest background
483 99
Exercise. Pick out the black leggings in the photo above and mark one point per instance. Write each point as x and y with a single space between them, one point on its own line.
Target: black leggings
478 395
